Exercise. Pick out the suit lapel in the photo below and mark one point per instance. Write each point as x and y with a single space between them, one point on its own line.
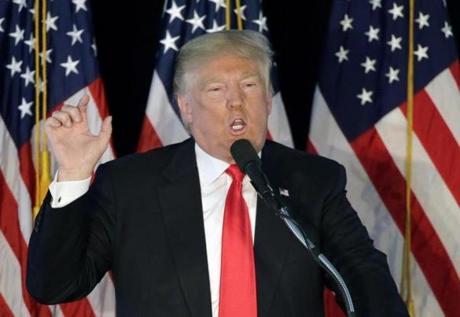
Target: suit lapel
180 199
272 239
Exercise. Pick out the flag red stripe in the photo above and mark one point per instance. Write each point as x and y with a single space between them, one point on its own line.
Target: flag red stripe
426 246
149 138
455 70
27 169
96 89
4 309
310 148
331 308
438 141
9 225
80 308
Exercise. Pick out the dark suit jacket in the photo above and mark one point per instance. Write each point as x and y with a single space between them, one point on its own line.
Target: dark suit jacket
142 219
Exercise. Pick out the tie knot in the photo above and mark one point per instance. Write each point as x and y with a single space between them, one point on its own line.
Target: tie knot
235 172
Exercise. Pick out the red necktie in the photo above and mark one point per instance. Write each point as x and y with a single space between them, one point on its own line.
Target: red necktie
238 296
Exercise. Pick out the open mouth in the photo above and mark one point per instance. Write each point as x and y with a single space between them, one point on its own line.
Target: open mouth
238 126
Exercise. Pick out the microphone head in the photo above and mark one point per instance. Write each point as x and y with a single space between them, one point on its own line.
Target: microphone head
244 153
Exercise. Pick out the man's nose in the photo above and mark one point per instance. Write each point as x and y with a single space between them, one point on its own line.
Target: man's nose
234 97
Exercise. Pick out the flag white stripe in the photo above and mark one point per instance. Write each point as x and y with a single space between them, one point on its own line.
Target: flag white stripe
10 281
161 115
437 201
329 141
278 124
444 93
9 167
102 298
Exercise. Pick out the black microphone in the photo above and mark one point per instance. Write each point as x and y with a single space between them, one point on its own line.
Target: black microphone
249 162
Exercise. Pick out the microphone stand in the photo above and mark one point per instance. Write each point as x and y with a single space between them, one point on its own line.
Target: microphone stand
282 211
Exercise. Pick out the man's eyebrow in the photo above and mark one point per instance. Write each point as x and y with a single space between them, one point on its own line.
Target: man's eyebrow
217 79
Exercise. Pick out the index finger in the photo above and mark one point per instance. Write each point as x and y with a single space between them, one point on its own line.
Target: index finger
83 101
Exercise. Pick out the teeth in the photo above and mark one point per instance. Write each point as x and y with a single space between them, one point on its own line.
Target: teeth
237 124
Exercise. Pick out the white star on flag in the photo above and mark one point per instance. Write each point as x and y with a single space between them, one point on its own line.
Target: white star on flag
395 42
80 5
373 34
392 75
196 21
261 22
175 12
30 43
375 4
21 3
1 23
422 20
51 22
169 42
219 4
447 30
94 47
24 107
48 55
14 66
421 52
70 66
75 34
215 27
18 35
369 65
396 11
365 96
346 23
241 12
28 76
342 54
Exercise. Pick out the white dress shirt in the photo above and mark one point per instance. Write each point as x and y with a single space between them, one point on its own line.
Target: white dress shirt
214 185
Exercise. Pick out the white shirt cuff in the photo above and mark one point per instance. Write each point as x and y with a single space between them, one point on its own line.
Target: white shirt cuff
63 193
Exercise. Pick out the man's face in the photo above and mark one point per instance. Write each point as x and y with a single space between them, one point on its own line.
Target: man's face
226 99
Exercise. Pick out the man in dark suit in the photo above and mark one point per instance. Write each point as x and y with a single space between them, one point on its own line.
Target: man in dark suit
156 220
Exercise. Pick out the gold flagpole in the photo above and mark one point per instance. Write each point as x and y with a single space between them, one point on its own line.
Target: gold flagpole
228 23
45 178
42 179
406 283
239 20
37 107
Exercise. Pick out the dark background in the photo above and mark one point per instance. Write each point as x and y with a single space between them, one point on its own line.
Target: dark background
127 35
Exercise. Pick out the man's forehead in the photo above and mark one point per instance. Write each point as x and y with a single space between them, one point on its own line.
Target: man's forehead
216 76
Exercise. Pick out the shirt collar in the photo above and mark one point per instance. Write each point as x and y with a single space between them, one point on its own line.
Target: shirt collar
209 167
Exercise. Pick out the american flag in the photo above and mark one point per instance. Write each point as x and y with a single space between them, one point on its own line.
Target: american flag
182 21
72 72
360 119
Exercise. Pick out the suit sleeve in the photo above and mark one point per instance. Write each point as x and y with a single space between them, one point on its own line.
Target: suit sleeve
71 247
345 241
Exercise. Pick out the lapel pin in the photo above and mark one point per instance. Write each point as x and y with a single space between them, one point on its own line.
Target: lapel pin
284 192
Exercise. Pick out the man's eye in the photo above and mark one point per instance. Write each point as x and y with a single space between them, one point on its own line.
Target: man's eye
215 89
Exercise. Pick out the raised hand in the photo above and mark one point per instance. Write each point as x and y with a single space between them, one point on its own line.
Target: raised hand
77 150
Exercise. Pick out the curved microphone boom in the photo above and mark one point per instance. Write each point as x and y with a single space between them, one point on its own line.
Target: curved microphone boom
249 162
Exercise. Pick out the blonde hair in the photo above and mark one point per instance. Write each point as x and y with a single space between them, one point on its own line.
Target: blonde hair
246 44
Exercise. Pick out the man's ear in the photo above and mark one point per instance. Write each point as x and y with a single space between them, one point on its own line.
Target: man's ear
269 103
185 109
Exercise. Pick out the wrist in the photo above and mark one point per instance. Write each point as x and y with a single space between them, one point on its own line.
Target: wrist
73 174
